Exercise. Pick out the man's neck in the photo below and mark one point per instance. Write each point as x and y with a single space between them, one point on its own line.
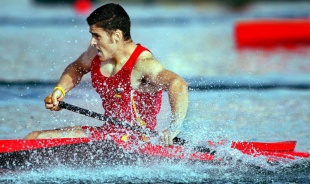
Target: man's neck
125 49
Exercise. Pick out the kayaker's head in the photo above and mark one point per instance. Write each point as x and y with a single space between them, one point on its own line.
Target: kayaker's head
111 17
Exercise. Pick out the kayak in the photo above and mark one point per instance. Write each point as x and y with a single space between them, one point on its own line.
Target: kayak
272 32
103 150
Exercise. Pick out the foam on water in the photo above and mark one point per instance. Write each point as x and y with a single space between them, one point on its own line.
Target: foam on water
274 115
248 171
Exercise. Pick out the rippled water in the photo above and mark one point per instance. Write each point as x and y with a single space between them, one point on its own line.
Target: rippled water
274 115
165 173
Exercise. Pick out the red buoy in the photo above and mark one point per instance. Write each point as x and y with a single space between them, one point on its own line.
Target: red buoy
82 6
272 32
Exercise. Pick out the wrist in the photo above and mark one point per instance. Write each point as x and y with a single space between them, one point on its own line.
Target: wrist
174 126
60 89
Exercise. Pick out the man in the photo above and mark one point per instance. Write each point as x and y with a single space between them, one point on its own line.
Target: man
127 77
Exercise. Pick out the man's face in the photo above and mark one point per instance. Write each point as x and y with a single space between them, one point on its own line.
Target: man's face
103 42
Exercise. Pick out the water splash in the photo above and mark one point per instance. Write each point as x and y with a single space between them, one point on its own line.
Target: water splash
166 172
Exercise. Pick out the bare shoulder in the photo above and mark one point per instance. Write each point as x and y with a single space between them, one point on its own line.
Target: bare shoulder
148 65
152 70
85 59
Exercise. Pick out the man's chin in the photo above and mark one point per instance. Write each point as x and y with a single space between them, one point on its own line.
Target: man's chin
102 59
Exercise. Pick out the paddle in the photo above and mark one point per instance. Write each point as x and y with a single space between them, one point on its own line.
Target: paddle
243 146
116 122
176 140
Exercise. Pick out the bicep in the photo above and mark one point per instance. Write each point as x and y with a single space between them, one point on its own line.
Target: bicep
166 78
156 74
83 63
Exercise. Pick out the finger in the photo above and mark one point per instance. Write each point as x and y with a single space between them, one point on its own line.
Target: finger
161 138
48 99
48 102
55 108
55 101
170 141
49 106
55 96
167 139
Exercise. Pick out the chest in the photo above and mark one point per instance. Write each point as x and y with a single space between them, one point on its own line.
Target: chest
119 72
110 68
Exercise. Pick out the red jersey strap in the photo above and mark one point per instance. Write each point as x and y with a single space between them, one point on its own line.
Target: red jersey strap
134 56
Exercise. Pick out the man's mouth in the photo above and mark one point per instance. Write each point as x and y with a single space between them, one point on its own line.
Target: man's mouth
99 53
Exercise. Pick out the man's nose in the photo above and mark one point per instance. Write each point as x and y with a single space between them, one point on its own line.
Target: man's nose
93 42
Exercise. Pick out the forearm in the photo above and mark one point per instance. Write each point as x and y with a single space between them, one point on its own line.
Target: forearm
177 90
71 76
178 97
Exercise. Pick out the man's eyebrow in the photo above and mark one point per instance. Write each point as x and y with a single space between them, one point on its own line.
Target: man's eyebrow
96 34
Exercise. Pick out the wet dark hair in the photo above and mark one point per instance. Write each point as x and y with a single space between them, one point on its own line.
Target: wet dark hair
111 17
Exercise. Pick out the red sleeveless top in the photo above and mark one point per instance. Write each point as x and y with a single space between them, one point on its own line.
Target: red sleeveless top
116 93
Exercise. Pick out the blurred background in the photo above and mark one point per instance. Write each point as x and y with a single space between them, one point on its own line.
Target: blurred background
196 39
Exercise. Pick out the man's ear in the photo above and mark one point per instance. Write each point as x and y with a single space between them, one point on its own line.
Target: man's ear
118 35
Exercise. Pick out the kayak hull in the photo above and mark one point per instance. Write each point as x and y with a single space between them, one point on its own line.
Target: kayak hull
92 152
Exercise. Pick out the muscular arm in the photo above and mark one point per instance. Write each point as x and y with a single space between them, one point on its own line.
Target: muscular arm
74 72
177 92
71 76
153 72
